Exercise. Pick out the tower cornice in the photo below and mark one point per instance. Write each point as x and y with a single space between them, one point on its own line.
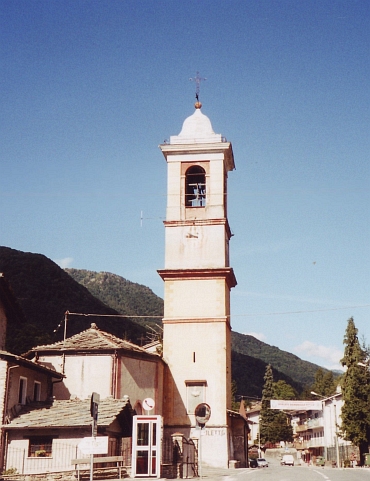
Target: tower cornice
199 222
201 148
226 273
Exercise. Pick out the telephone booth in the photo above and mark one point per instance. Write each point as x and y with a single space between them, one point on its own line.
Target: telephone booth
146 446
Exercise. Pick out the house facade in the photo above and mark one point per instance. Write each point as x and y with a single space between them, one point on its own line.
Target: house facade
22 383
46 437
316 433
96 361
43 433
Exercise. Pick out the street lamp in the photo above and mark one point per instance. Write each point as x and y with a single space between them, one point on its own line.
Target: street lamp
330 420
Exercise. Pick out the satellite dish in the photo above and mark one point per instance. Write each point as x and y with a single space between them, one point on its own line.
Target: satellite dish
148 404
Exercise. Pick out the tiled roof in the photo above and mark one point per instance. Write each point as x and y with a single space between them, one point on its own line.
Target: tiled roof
21 361
71 413
90 340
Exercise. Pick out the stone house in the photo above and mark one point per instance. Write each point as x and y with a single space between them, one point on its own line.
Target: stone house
94 360
45 437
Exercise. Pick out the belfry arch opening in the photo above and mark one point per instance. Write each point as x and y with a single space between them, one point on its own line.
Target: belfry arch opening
195 187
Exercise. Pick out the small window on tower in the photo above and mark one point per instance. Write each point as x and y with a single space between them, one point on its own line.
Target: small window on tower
195 187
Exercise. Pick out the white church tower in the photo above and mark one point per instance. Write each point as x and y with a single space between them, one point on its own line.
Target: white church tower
197 282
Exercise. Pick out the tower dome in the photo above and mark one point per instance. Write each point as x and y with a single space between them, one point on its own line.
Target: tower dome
196 129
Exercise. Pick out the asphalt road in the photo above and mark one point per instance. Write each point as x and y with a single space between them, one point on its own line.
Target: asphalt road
298 473
275 472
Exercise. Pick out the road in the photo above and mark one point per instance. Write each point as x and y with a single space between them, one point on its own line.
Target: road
275 472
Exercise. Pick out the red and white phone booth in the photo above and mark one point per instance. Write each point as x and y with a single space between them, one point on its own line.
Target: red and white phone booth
146 446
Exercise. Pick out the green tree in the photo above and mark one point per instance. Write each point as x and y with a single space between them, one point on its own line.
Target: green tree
355 389
325 383
283 390
274 425
234 403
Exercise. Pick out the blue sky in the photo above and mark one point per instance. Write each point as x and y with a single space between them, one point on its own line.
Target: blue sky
91 88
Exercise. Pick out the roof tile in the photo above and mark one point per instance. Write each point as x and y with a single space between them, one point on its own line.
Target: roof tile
67 413
91 339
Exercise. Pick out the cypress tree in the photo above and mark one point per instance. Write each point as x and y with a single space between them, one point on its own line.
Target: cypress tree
355 390
274 425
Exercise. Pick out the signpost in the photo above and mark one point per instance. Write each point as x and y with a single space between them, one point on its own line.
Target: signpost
202 414
94 406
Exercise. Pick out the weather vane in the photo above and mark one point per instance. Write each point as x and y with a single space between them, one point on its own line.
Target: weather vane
197 79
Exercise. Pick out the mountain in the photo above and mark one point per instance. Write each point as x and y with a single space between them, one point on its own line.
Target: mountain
45 292
283 361
124 296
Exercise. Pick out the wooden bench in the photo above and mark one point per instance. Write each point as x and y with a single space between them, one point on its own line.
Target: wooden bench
118 460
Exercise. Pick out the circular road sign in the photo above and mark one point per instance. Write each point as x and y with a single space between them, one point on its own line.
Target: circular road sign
148 404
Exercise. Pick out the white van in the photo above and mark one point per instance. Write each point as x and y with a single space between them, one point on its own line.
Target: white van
287 460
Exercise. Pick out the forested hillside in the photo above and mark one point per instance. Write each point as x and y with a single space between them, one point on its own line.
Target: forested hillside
285 362
124 296
44 292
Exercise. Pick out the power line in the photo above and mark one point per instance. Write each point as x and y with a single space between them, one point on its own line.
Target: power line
222 317
300 312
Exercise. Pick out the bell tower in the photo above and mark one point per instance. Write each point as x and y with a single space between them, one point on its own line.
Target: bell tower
197 281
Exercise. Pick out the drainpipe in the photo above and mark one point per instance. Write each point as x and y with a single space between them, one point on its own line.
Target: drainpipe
64 340
115 375
3 439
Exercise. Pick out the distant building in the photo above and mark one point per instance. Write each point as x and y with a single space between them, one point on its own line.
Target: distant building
316 433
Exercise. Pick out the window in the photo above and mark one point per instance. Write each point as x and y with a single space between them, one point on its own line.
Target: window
195 187
195 394
37 391
40 447
22 393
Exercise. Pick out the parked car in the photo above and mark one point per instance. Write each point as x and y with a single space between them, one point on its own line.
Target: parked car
262 463
253 463
287 460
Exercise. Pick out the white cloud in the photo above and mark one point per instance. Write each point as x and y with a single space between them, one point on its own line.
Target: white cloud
258 335
64 263
330 355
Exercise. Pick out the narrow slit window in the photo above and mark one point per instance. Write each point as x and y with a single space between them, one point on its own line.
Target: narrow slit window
195 187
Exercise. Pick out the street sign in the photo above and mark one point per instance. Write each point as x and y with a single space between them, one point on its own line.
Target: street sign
292 405
94 406
98 445
148 404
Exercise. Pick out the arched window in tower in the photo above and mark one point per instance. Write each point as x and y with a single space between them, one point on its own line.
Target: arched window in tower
195 187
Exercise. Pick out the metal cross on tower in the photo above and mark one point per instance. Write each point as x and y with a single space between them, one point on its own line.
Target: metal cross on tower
197 79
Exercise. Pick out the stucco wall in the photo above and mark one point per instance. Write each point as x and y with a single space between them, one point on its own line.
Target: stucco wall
197 351
141 379
84 375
